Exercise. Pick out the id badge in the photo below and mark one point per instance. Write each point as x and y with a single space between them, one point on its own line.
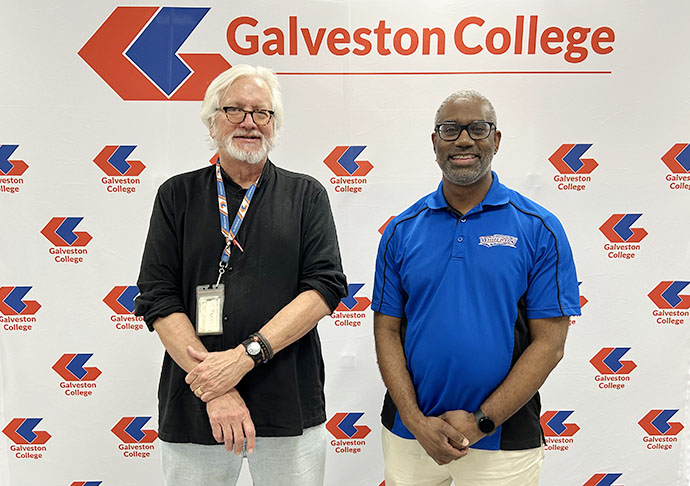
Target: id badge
209 309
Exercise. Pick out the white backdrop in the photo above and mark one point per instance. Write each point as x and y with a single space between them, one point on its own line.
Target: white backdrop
619 399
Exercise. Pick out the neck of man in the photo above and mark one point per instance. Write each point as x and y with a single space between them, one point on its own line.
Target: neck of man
242 173
464 198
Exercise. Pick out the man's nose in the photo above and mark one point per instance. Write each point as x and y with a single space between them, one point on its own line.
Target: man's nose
464 139
248 121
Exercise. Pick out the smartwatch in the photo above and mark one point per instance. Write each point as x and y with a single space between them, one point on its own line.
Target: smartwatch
253 350
484 423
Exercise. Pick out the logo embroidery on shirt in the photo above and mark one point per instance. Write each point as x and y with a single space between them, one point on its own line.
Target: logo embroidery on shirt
497 240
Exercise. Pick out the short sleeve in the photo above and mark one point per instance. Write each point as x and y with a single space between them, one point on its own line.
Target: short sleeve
388 296
552 286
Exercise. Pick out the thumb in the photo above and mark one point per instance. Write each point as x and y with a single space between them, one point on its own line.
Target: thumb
456 437
197 355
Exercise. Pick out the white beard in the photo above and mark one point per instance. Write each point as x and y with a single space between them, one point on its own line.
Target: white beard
249 156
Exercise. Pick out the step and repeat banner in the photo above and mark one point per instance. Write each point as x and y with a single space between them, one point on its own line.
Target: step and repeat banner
100 104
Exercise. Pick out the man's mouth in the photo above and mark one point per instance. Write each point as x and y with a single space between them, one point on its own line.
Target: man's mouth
463 157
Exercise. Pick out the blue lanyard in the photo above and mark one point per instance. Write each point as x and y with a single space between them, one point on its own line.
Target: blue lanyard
230 232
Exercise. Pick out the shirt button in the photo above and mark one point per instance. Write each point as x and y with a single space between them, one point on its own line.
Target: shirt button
460 239
225 318
463 220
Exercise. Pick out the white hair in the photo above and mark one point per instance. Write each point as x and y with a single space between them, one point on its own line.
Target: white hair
467 94
218 86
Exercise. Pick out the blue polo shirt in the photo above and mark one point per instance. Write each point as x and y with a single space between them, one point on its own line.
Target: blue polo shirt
465 287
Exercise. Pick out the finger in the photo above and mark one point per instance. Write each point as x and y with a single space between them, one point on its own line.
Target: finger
250 434
228 439
238 436
456 438
197 355
217 431
208 396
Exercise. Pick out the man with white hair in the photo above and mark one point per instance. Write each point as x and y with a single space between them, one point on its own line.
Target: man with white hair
240 263
473 291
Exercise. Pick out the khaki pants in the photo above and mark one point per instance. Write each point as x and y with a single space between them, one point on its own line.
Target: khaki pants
408 464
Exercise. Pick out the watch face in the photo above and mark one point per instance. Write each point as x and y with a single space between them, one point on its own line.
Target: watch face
253 348
486 425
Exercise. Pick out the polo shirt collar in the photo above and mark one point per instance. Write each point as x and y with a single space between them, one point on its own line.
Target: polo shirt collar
497 196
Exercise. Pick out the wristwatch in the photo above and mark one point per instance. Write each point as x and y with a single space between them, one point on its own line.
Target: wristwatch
484 423
253 350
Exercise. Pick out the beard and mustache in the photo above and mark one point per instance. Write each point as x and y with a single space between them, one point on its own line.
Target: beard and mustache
251 156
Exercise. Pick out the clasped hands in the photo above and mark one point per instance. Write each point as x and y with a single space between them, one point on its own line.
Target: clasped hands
213 381
217 372
447 437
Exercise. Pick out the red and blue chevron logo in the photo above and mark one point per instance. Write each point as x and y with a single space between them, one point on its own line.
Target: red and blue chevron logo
60 232
21 431
678 158
608 362
12 302
617 229
113 161
568 159
121 299
553 423
129 430
86 483
71 368
666 295
342 161
603 479
11 167
656 422
342 426
352 303
135 52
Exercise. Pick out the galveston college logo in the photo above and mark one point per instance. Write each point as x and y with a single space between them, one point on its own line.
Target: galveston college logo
350 173
136 443
121 301
122 173
603 479
613 373
622 238
28 443
351 309
10 170
135 52
78 379
661 434
573 169
348 437
17 313
558 434
672 308
66 242
677 159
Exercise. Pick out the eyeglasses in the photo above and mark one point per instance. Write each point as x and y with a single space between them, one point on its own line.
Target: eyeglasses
451 131
237 115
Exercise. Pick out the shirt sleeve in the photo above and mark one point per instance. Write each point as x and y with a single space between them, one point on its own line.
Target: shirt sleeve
160 272
388 296
553 287
321 268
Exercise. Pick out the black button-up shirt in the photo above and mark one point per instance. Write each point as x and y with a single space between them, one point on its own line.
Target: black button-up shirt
290 246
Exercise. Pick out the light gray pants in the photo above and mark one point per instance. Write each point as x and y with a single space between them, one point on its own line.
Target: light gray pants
284 461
